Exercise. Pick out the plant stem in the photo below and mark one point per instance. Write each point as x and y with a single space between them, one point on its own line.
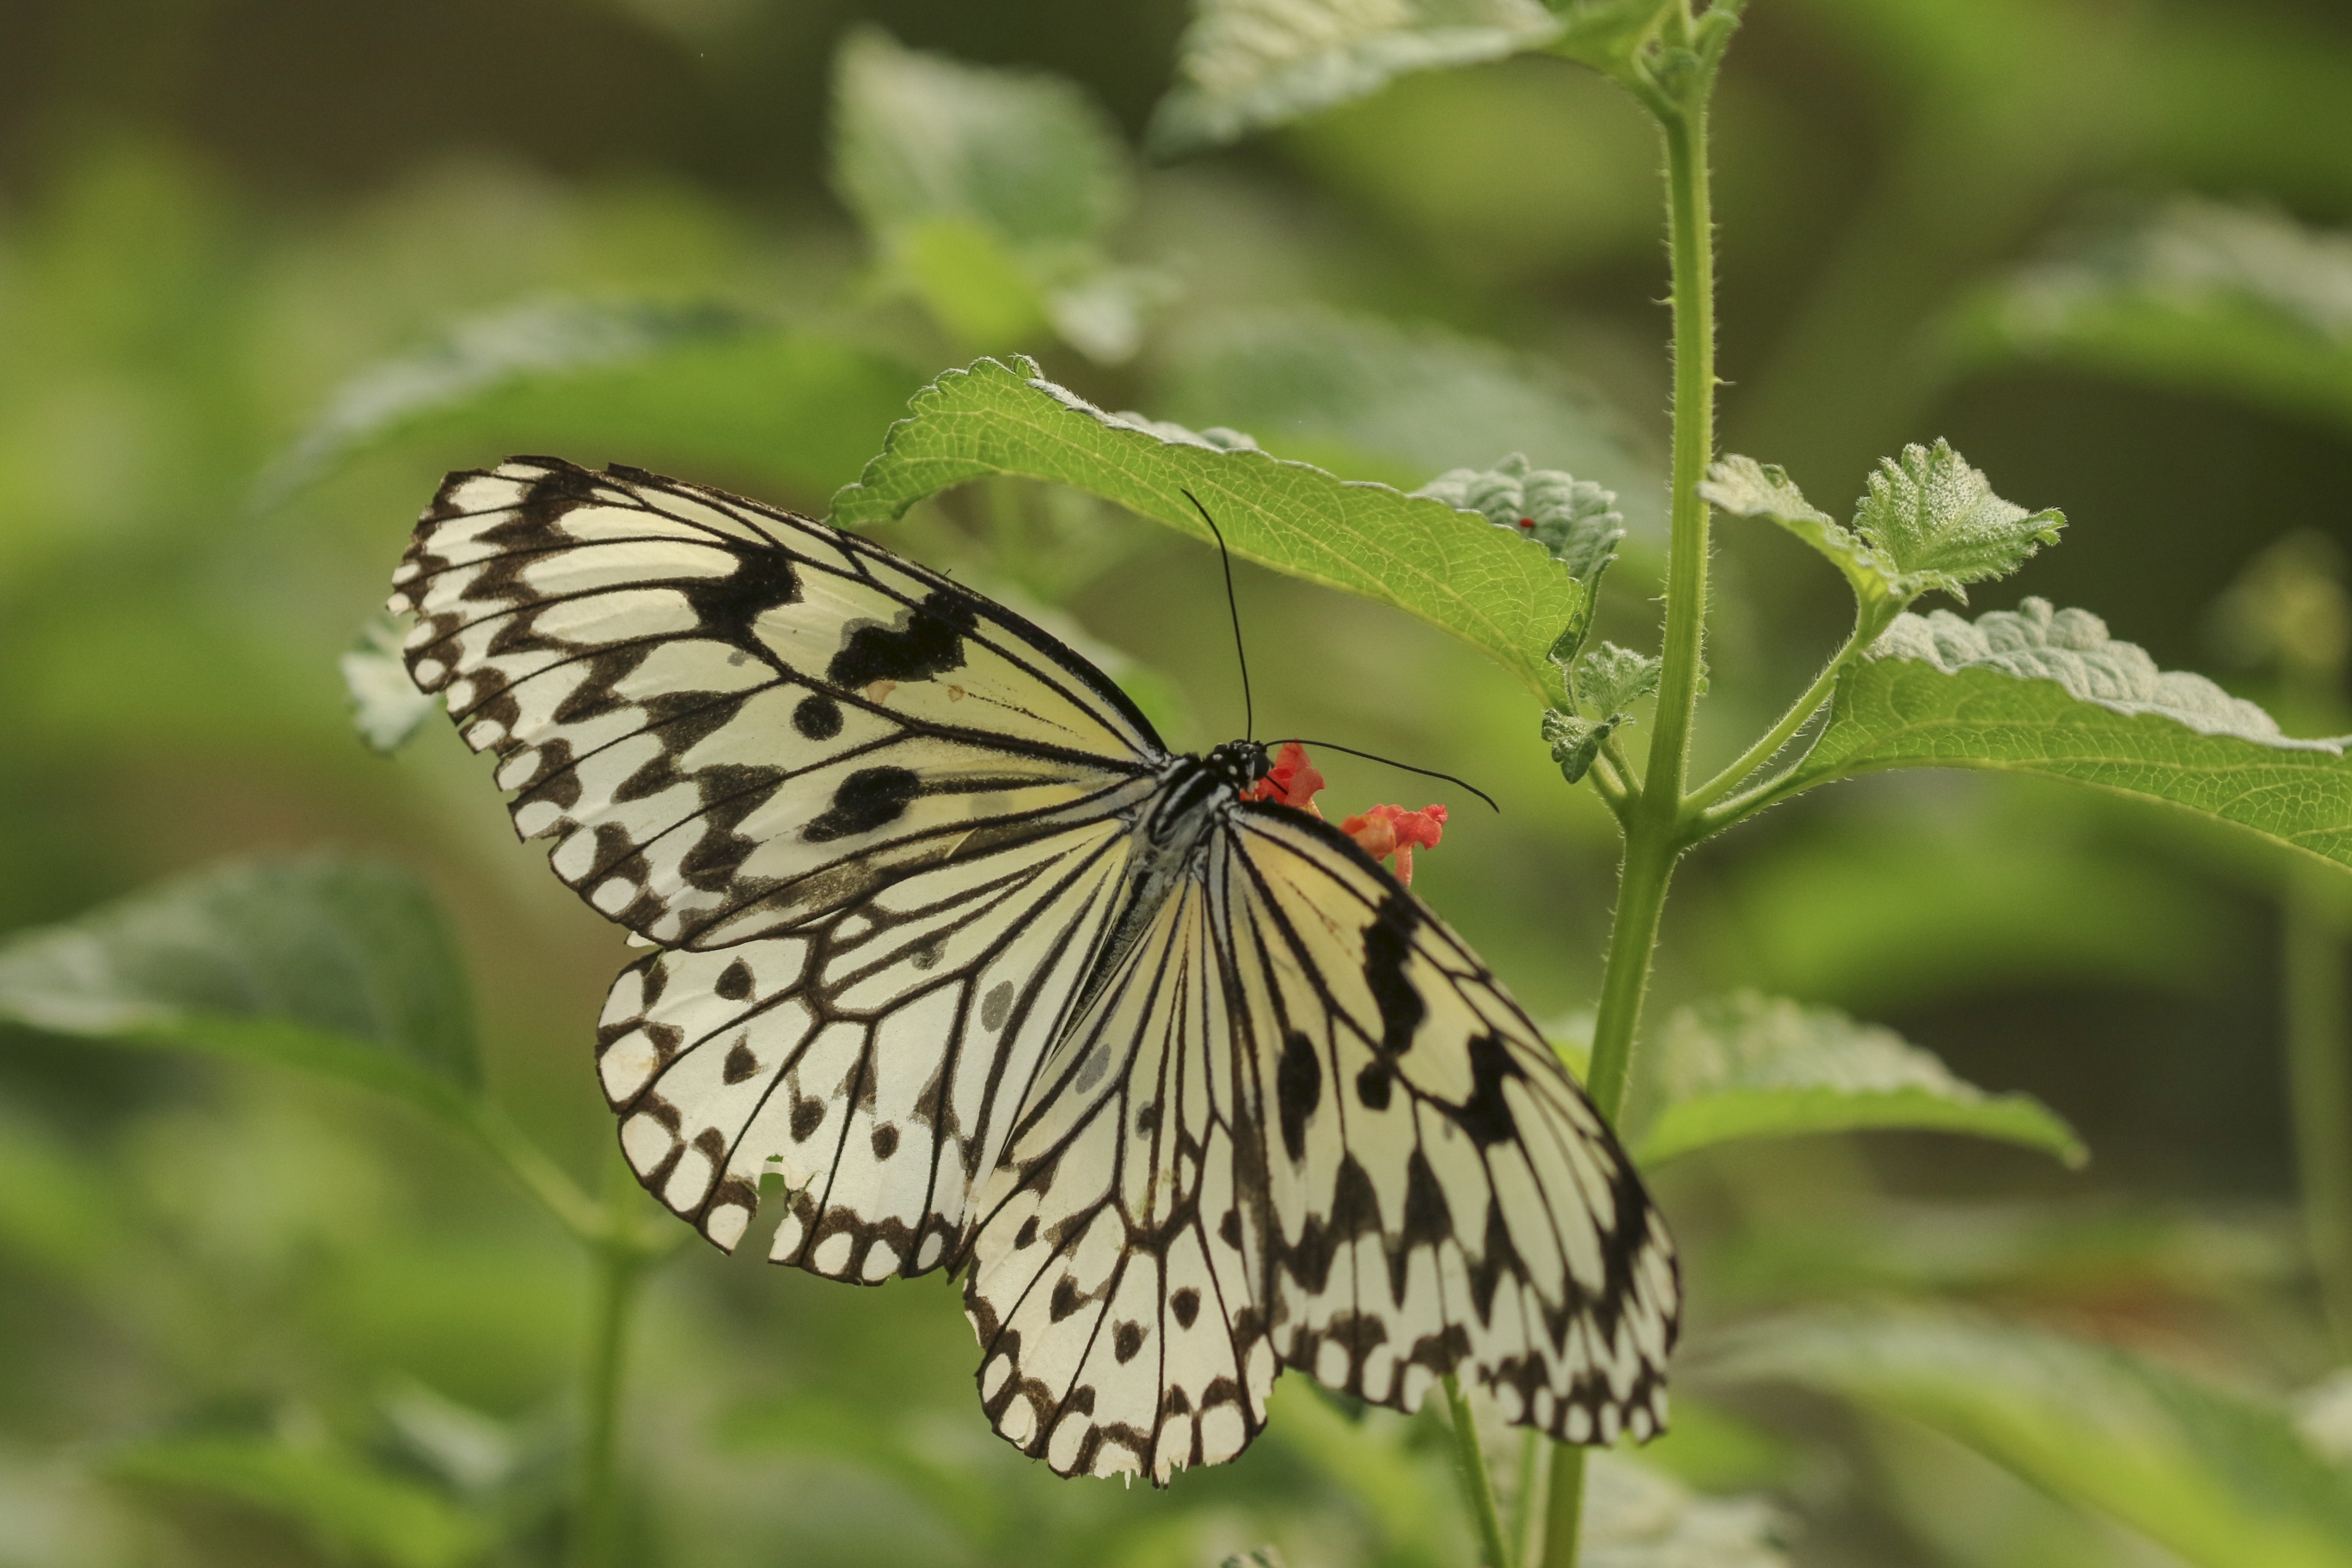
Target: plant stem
621 1263
1656 819
540 1176
1794 719
1564 1507
2319 1086
1527 1499
1472 1454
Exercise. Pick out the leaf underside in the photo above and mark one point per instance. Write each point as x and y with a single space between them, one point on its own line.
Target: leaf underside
2045 692
341 967
1504 596
1746 1066
2222 1480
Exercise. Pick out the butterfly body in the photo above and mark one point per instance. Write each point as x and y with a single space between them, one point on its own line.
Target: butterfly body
1188 1087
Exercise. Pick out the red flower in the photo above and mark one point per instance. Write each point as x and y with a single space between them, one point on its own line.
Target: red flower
1386 830
1292 781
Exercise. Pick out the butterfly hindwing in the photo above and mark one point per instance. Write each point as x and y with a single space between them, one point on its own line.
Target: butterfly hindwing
1444 1196
873 1062
730 720
1118 1284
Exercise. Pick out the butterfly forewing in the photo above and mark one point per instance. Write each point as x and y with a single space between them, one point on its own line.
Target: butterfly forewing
1442 1192
733 720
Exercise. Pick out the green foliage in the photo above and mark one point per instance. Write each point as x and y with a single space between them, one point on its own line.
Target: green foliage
354 1510
1245 65
2222 1480
1748 1066
1576 741
989 194
701 382
1505 596
2038 690
1610 679
338 967
1927 522
1574 518
2197 295
1373 400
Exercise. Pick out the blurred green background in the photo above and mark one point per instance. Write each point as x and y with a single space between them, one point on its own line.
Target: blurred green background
269 269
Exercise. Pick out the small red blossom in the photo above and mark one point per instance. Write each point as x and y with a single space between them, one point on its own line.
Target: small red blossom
1386 830
1291 781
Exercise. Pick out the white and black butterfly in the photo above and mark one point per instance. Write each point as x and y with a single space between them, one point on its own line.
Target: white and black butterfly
1189 1088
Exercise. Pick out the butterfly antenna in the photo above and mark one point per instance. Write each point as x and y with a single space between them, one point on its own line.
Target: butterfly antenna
1392 761
1249 714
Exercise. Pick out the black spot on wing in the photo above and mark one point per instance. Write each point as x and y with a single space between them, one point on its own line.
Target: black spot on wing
1297 1089
740 1064
928 641
735 981
817 717
1186 1305
1486 1115
1388 943
763 579
555 492
867 799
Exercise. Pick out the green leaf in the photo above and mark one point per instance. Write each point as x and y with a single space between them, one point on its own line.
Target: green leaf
1505 596
1608 679
1245 65
988 191
1607 34
1746 487
919 136
1378 400
2221 1480
1928 522
386 707
683 383
1938 521
2035 691
1574 518
1576 741
339 967
1745 1066
2198 296
350 1509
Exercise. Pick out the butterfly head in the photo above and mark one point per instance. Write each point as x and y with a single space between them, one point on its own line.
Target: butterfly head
1240 763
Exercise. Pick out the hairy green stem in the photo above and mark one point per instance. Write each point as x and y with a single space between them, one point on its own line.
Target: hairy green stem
1656 819
1472 1455
2319 1086
621 1262
1780 734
